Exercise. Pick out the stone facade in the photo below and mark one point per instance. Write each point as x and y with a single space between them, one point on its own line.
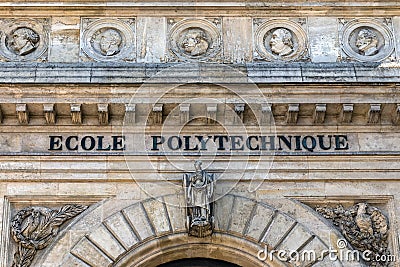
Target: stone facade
292 107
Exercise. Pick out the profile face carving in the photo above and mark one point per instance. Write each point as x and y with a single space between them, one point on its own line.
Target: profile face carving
195 42
281 42
23 41
109 42
367 42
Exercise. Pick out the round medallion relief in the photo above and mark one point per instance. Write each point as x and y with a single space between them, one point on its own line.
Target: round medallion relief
280 40
23 40
194 39
108 40
367 40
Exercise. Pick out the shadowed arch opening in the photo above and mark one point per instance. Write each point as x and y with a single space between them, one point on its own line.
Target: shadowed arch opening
198 262
223 247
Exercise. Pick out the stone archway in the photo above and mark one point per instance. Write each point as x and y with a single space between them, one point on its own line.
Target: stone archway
150 233
198 262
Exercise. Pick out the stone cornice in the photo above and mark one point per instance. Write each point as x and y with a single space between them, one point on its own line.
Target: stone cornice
261 73
200 8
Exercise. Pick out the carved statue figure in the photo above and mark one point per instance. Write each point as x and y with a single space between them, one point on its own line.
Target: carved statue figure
195 42
281 42
367 42
109 42
23 41
199 191
364 226
34 228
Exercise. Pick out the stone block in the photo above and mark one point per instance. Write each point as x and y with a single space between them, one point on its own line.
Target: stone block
396 29
260 73
138 219
237 36
224 206
86 189
64 39
157 214
328 73
260 220
241 214
70 261
14 189
104 240
152 40
90 254
89 221
177 211
277 230
121 229
323 38
295 239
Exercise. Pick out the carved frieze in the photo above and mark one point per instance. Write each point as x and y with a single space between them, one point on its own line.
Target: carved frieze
34 228
364 226
24 39
280 40
108 39
194 39
199 194
366 40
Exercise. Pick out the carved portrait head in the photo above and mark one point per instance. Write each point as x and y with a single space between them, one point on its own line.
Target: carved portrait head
195 42
23 41
367 42
281 42
109 42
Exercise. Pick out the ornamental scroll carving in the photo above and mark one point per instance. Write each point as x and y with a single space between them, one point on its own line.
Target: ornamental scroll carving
364 226
34 228
199 194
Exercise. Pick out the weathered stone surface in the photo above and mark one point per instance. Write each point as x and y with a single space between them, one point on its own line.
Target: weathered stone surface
237 40
277 230
156 211
121 230
323 38
152 40
70 261
87 252
296 238
65 39
176 208
106 242
222 218
260 219
138 219
241 214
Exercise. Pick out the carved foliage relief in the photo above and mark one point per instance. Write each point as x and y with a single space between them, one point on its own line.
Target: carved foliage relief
24 39
366 40
365 227
108 39
34 228
280 40
194 39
